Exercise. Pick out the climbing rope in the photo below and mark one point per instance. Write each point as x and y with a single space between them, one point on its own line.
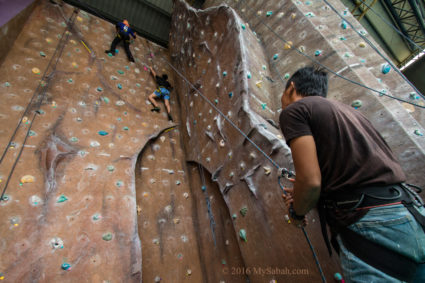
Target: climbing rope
380 92
283 172
60 46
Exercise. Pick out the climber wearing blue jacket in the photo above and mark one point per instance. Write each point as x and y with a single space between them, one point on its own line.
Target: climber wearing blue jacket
123 33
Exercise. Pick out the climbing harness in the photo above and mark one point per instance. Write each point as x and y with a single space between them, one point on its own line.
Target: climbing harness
59 49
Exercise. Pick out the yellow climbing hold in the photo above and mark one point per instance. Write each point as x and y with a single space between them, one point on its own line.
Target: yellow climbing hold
36 71
27 179
79 19
258 84
144 124
24 120
288 45
48 40
145 194
362 45
73 41
293 15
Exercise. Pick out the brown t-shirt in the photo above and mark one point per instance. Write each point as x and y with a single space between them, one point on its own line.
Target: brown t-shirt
351 153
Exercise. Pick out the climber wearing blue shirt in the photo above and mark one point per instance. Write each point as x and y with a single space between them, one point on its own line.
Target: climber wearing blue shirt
163 91
123 33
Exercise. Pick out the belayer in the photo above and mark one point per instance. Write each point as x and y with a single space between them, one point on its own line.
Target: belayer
163 91
123 34
345 168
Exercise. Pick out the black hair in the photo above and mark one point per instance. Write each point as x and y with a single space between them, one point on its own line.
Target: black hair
164 76
310 81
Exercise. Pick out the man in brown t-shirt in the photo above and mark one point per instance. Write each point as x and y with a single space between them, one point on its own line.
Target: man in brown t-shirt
346 168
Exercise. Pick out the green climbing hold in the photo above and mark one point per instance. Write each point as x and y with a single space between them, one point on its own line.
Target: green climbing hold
248 75
264 67
62 198
110 54
275 56
244 210
342 38
286 76
203 188
318 53
224 73
99 89
119 86
418 133
110 168
120 72
269 13
119 184
138 85
102 133
344 25
107 236
31 133
338 276
7 84
96 217
42 54
263 105
216 101
73 139
66 266
70 81
357 104
413 95
234 216
243 26
125 128
105 99
242 235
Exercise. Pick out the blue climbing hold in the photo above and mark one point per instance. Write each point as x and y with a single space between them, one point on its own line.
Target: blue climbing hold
230 94
418 133
99 89
275 56
269 13
386 68
102 133
66 266
61 199
216 101
248 75
338 276
263 105
344 25
119 86
203 188
224 73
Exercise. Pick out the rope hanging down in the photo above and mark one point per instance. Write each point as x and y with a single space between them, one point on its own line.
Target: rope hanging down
380 92
61 46
282 171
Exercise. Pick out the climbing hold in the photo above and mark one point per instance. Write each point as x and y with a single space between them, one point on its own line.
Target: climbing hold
138 85
27 179
362 45
178 182
107 236
385 68
1 276
357 104
264 67
248 75
203 188
230 94
36 71
275 56
263 106
119 103
189 272
234 216
338 277
242 235
242 166
105 99
243 211
96 216
102 133
286 76
222 143
243 26
94 144
119 183
252 155
259 84
269 13
413 95
418 133
157 279
127 67
342 38
61 199
231 174
176 221
125 128
75 65
120 72
224 73
110 168
99 89
56 243
288 45
310 15
318 53
216 101
347 55
42 54
119 86
66 266
7 84
267 170
293 15
186 195
344 25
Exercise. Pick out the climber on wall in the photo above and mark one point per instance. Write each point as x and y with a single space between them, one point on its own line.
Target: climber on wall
346 168
123 33
163 91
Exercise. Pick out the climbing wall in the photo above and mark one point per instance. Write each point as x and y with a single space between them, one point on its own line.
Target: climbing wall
300 33
214 51
74 122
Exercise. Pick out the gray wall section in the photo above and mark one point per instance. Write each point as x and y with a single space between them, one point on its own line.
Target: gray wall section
149 18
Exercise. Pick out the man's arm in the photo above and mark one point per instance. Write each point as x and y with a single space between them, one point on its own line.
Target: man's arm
308 179
153 72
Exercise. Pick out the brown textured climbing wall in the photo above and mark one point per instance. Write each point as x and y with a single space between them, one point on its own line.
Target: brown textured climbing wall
311 27
72 197
216 51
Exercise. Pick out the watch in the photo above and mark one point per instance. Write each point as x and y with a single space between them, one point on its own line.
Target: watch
294 215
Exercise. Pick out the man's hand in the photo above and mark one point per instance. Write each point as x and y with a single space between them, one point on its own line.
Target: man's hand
289 200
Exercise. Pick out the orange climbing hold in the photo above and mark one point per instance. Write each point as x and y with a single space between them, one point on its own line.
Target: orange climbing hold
27 179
